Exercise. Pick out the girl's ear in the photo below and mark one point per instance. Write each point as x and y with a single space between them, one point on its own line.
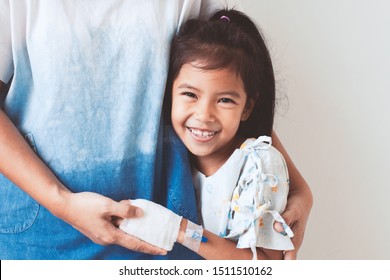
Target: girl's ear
248 109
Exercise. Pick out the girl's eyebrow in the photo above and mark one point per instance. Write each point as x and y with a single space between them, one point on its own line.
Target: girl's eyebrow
232 93
188 86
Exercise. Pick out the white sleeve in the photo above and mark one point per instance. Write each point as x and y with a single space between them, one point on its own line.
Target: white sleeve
259 198
6 64
276 191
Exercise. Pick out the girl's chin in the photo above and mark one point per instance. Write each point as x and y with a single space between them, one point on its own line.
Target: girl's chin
200 153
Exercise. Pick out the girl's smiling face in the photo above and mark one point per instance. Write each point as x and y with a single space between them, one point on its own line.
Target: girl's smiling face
207 108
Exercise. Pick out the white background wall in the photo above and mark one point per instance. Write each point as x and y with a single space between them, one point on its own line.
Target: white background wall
332 60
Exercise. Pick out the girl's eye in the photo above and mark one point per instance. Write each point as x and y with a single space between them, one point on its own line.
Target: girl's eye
227 100
189 94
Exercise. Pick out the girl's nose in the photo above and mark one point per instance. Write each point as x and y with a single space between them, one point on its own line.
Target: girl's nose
204 112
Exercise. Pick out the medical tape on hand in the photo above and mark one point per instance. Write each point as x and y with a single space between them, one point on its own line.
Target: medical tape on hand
193 236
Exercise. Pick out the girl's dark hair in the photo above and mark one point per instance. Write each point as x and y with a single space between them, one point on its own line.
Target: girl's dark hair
229 39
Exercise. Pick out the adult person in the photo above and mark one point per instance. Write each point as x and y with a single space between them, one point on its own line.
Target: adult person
80 127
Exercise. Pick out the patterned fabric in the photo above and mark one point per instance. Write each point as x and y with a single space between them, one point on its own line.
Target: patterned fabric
247 193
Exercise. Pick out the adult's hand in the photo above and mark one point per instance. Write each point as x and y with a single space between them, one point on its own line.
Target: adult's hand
96 217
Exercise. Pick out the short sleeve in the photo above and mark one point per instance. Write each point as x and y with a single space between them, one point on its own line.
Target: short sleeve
259 198
6 63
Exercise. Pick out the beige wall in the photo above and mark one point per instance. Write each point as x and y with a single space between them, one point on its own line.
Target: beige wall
332 60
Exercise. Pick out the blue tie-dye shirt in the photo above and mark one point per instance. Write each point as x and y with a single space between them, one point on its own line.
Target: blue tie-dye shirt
87 91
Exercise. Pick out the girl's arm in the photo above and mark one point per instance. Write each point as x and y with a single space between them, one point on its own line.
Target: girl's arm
299 203
218 248
90 213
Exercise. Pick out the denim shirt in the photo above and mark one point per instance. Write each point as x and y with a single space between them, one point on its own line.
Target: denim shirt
87 92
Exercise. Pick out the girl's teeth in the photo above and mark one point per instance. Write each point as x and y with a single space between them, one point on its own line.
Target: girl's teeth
200 133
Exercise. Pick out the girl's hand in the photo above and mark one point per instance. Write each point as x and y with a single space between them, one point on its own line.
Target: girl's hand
299 203
296 215
96 217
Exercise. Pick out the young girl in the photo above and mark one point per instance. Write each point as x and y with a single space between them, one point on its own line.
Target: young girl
221 91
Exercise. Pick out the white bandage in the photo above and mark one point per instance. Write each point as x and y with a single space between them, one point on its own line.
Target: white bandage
158 226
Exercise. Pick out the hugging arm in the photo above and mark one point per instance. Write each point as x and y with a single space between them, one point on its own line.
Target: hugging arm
299 203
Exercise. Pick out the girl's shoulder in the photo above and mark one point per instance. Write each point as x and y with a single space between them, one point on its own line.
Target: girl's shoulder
262 141
263 144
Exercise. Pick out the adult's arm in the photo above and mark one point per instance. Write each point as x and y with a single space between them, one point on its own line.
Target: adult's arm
90 213
299 203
